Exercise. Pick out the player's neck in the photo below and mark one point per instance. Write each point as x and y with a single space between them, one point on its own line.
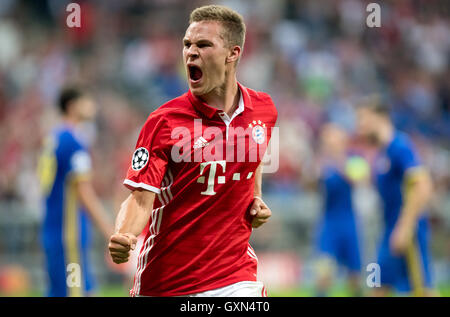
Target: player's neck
386 134
225 98
70 120
339 155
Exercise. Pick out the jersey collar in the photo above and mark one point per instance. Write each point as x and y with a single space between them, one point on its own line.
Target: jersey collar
209 111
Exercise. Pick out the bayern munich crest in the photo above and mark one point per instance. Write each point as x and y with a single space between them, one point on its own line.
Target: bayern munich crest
258 131
140 158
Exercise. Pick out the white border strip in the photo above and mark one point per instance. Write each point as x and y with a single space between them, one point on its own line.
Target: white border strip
156 218
142 185
251 252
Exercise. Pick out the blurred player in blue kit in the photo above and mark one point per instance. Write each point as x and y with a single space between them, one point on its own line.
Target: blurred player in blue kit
405 187
337 240
65 174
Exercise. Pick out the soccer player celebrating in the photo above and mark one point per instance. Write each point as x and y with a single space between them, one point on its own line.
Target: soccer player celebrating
65 168
337 240
199 212
405 188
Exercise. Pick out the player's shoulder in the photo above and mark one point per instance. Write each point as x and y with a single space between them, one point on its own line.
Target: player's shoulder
66 142
178 104
174 106
169 111
259 97
401 145
402 142
327 171
262 101
65 136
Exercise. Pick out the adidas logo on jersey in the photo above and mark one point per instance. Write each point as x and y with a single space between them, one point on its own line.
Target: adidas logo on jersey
201 142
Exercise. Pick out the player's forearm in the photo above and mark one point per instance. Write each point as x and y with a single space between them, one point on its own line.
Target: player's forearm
135 212
258 182
95 209
416 198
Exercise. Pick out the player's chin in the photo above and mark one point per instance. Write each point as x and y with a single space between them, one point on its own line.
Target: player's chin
88 117
197 90
197 87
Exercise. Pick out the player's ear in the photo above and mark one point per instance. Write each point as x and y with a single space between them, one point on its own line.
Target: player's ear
233 54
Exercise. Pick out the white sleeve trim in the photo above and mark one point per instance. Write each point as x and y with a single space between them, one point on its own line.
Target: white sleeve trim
142 185
81 162
416 168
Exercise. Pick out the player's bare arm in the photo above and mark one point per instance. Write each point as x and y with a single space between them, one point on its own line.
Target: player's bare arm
419 189
259 210
94 207
133 216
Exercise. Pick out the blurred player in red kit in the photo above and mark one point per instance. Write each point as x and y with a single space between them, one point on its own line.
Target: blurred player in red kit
199 212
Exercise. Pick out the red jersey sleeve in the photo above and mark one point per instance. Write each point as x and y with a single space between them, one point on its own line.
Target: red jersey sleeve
151 156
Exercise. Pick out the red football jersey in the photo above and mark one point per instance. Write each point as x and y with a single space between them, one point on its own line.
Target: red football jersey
201 166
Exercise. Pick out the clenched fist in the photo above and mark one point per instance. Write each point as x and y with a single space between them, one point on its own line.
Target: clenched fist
260 212
120 245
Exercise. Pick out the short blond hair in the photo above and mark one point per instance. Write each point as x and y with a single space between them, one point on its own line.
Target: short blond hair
232 22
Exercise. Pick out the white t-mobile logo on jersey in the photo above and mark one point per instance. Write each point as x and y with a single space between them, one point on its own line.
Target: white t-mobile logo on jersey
212 176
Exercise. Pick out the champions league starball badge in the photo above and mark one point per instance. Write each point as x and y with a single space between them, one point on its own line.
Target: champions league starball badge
140 158
258 131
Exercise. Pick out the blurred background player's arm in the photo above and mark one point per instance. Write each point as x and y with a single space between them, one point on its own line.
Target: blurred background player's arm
91 202
418 190
259 210
82 169
133 215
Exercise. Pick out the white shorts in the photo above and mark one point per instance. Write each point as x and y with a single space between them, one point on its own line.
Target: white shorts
239 289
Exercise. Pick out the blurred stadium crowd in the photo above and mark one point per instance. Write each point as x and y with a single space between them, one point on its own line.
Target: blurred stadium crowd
316 59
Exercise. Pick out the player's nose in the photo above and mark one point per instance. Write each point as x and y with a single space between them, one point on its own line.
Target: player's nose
192 52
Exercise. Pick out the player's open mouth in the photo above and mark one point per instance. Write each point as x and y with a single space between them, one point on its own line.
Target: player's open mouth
195 73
